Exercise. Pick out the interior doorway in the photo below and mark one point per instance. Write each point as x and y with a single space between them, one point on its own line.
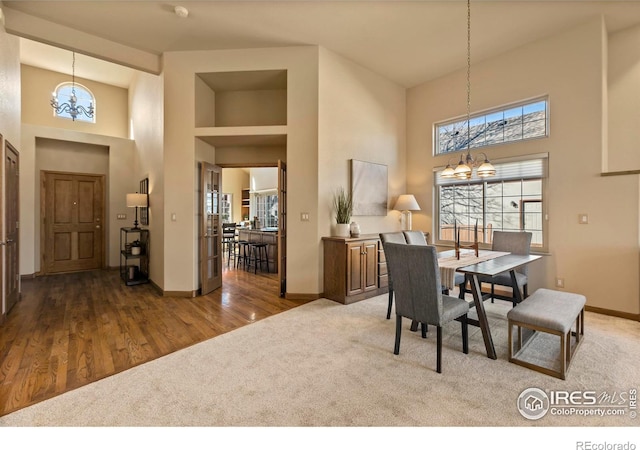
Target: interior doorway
254 198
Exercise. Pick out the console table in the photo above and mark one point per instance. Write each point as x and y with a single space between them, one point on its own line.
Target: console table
354 268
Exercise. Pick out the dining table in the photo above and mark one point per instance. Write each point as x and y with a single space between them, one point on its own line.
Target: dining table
486 263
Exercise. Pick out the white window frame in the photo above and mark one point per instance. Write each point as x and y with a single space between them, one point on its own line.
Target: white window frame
479 126
80 98
513 169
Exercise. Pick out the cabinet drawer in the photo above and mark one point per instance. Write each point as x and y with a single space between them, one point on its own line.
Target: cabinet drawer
383 281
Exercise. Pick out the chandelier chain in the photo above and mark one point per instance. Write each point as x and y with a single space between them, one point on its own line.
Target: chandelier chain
468 73
72 107
73 73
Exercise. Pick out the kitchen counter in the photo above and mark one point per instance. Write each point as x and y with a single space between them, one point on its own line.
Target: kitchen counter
269 237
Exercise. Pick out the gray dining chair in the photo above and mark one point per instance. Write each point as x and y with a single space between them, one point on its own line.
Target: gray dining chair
398 238
418 293
416 237
516 242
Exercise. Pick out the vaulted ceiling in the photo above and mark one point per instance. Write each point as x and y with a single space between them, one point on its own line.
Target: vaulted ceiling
406 41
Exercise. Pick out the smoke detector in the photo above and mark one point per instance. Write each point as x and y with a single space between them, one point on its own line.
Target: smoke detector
181 12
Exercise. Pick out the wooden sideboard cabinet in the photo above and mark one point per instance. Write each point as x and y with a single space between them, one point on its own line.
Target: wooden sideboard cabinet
353 268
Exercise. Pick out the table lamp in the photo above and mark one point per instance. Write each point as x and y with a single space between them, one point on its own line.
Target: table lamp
137 201
406 203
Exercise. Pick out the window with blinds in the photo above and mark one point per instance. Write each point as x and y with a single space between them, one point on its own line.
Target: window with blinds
513 200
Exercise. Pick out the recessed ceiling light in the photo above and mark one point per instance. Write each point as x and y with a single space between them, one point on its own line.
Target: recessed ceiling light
181 11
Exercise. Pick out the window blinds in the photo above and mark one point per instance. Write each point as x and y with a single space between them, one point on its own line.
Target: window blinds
530 167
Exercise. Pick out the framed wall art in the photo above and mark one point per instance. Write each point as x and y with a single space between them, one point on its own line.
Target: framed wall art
369 188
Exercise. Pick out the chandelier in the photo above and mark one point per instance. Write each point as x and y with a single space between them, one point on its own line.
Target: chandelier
72 107
467 162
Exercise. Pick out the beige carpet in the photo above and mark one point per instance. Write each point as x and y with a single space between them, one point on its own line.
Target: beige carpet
327 364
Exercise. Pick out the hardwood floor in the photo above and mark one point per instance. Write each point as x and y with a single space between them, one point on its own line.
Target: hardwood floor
72 329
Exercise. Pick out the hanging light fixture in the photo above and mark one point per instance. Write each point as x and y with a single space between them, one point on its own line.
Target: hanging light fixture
464 169
72 106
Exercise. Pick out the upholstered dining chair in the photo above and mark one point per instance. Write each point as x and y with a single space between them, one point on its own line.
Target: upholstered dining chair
416 237
418 293
516 242
398 238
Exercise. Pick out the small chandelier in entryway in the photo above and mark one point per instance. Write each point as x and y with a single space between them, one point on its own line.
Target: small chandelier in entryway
72 107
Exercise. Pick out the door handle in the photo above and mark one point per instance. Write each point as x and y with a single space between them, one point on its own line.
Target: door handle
9 241
97 226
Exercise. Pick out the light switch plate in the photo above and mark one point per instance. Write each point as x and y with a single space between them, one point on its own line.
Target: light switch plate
583 219
121 217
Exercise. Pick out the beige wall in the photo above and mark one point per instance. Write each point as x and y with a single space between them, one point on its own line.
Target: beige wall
362 117
112 118
9 101
624 101
120 181
64 156
147 125
599 260
10 87
180 153
233 181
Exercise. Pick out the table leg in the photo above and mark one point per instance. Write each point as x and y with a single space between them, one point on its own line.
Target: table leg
482 317
516 290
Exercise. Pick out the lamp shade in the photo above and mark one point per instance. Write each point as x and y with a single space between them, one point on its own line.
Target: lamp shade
407 202
137 200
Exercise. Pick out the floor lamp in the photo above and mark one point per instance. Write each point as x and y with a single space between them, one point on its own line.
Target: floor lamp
406 203
137 201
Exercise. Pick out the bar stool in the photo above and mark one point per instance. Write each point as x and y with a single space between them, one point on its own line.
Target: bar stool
258 255
243 253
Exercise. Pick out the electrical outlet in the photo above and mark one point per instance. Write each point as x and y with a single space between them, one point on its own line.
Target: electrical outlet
583 219
560 282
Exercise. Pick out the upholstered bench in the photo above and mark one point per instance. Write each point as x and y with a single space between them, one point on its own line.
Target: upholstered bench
553 312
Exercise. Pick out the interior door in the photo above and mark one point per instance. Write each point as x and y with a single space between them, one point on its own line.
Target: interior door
73 214
210 229
282 227
11 221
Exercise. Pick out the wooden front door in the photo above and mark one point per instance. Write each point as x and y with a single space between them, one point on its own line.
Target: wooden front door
282 227
210 228
72 209
11 223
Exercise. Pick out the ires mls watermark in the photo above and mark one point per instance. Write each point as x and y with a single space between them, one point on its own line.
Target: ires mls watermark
534 403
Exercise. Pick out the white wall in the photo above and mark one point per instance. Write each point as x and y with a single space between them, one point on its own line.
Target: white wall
120 181
147 126
9 103
624 101
233 181
75 157
362 116
263 178
181 263
10 106
599 260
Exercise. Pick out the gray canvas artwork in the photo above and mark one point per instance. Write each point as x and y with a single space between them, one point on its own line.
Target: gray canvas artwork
368 188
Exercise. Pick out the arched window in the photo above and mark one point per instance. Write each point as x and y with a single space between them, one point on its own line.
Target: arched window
83 108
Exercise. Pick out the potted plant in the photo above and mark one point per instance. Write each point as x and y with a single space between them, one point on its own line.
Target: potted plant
343 206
